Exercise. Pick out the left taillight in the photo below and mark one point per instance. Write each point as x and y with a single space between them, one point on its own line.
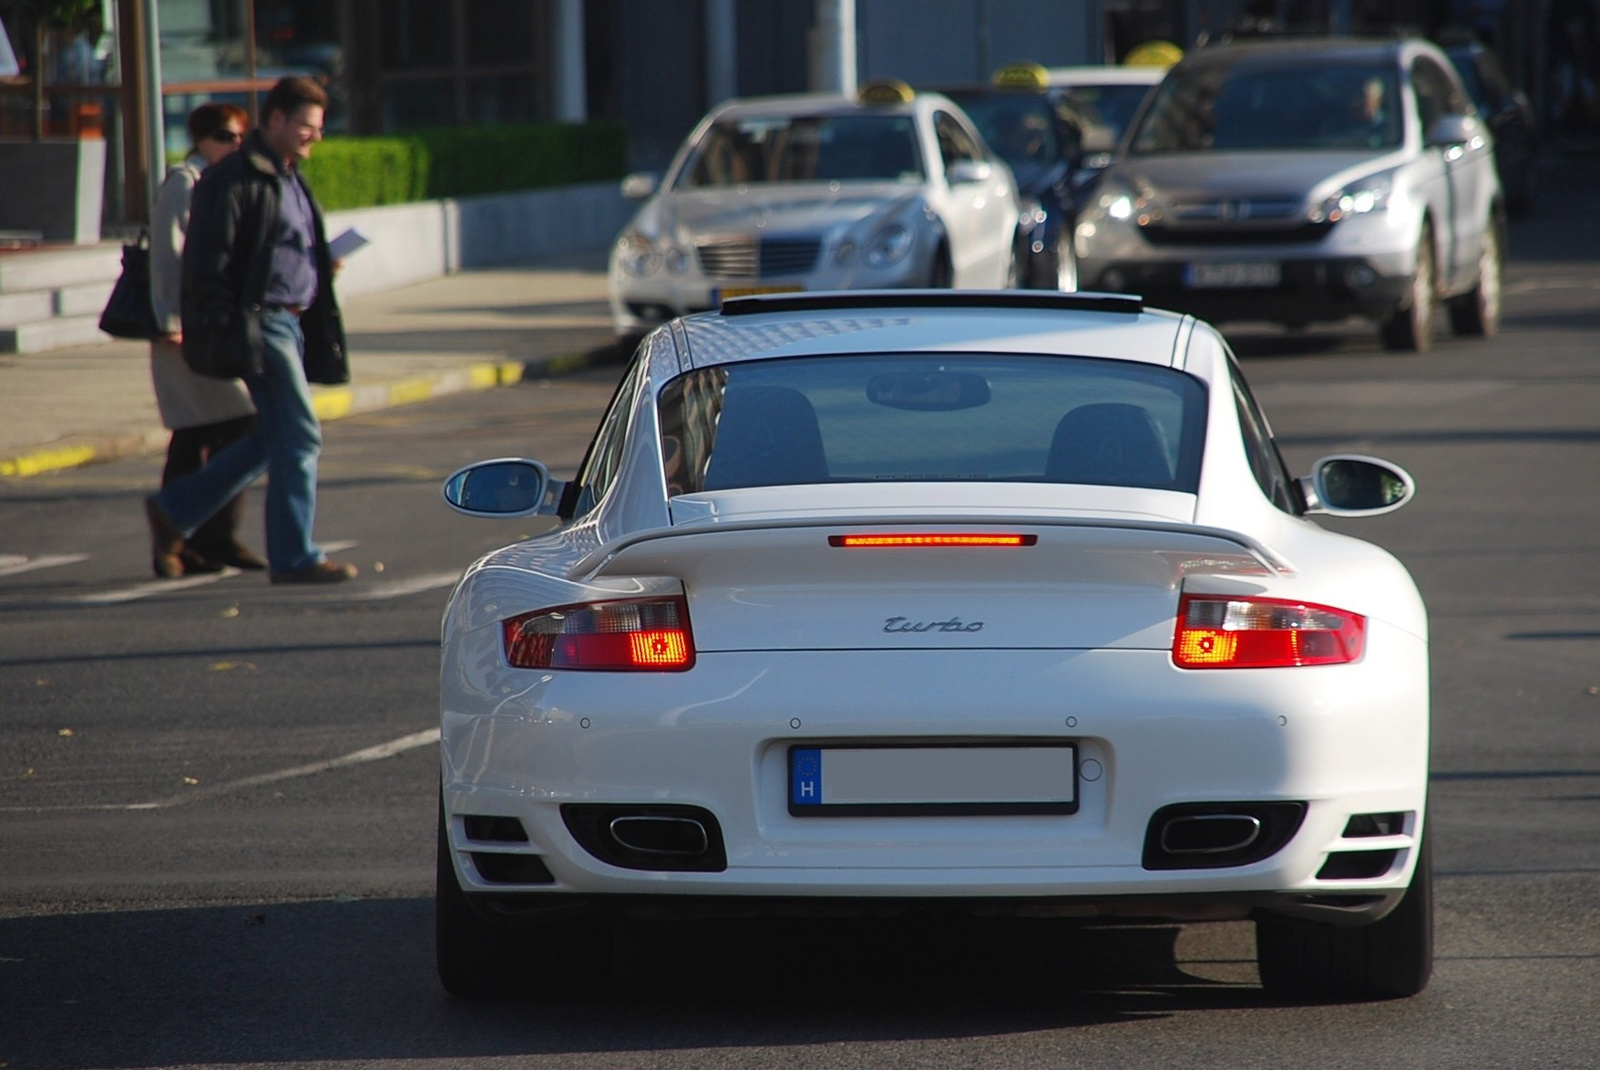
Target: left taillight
638 635
1261 633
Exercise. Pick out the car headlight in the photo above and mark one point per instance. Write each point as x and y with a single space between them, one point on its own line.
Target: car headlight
1122 203
1370 194
888 245
637 255
675 258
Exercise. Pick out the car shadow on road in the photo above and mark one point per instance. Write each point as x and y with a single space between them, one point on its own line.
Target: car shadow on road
355 980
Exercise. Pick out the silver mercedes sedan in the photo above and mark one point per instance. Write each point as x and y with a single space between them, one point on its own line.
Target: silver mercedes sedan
889 190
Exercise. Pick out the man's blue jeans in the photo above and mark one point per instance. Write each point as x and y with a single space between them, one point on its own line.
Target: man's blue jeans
284 444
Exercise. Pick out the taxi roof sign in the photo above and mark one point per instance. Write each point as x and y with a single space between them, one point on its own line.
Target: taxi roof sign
1153 54
1022 76
886 91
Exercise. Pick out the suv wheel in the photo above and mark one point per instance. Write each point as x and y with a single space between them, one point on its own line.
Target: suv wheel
483 957
1389 959
1477 313
1412 326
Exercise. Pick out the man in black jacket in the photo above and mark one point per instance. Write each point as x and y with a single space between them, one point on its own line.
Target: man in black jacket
258 304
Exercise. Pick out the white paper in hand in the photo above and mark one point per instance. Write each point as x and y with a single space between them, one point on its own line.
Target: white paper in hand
350 241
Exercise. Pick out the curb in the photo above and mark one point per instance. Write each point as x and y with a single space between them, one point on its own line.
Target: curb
329 403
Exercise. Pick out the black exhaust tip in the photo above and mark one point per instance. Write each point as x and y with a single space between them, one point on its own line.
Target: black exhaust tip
1219 835
663 837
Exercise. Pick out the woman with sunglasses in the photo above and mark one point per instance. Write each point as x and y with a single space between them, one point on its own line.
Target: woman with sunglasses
204 414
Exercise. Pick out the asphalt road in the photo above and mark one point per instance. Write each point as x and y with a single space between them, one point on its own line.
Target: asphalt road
217 801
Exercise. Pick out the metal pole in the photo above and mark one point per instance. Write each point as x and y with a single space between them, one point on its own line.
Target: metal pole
249 58
155 113
833 44
722 61
569 75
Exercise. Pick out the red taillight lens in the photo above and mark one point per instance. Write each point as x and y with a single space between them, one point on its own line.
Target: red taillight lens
1260 633
903 540
649 635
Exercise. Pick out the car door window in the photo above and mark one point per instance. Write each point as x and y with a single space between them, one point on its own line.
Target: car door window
600 465
1437 93
1266 463
955 143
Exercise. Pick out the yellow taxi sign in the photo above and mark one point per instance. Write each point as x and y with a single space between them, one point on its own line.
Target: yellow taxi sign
1153 54
1022 76
886 91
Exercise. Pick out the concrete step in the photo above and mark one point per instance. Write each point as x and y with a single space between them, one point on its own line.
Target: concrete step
26 307
84 299
60 332
50 269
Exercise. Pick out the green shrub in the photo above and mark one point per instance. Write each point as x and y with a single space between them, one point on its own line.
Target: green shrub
357 172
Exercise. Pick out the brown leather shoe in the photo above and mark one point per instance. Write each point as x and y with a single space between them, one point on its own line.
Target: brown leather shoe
198 564
166 543
234 555
322 572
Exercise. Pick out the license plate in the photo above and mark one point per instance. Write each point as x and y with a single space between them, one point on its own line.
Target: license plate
719 296
843 781
1235 275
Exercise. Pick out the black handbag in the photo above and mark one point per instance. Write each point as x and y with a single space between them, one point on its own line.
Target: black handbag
129 313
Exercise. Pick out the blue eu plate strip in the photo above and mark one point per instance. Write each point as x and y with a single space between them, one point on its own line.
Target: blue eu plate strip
805 776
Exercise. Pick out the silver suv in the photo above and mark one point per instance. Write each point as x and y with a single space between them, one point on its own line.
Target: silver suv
1303 181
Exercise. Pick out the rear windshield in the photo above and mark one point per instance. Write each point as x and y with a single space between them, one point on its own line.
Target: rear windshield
1248 107
945 418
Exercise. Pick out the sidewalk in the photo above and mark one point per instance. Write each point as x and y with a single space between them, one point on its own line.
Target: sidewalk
471 331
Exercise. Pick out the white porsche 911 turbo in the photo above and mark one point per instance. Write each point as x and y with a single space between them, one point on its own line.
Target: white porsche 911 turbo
882 601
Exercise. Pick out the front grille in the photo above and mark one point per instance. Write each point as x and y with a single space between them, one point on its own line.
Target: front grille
750 258
1234 234
789 256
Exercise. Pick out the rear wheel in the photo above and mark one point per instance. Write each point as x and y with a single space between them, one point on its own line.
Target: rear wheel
1389 959
483 957
1412 326
1477 313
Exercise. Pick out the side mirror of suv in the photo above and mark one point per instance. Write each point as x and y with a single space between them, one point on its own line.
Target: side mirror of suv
1453 130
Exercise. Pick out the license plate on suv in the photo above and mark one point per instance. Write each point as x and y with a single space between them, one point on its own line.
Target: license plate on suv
1233 275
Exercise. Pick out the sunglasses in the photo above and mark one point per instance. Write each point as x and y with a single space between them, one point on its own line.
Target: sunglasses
227 137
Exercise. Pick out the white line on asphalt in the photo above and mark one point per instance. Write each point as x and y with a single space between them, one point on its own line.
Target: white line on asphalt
13 564
397 588
425 738
143 590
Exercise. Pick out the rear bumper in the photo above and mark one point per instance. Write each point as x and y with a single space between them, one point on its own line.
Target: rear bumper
1342 740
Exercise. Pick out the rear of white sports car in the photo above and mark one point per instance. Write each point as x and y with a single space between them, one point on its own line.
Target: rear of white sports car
1045 698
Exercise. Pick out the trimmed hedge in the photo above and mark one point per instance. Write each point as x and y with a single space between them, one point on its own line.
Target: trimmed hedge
358 172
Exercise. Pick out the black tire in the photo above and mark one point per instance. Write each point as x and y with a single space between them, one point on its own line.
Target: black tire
482 957
943 275
1413 325
1389 959
1476 314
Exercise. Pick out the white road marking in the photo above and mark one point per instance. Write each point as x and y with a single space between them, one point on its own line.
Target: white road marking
339 544
427 737
15 564
143 590
429 581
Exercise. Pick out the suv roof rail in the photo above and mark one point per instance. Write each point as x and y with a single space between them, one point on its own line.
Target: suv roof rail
842 300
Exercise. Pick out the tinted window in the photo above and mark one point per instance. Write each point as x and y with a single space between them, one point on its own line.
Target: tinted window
1248 107
600 465
1020 127
1108 107
955 143
805 148
1437 94
1266 464
950 418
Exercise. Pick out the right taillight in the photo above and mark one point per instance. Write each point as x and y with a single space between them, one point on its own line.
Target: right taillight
1261 633
639 635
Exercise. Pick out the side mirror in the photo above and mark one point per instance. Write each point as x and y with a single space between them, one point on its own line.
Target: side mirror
505 487
967 171
1453 130
1351 485
639 185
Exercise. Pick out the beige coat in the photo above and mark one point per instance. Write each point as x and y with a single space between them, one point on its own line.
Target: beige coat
183 398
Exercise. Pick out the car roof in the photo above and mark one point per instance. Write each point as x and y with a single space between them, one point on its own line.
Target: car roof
1106 75
1113 326
816 104
1296 50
